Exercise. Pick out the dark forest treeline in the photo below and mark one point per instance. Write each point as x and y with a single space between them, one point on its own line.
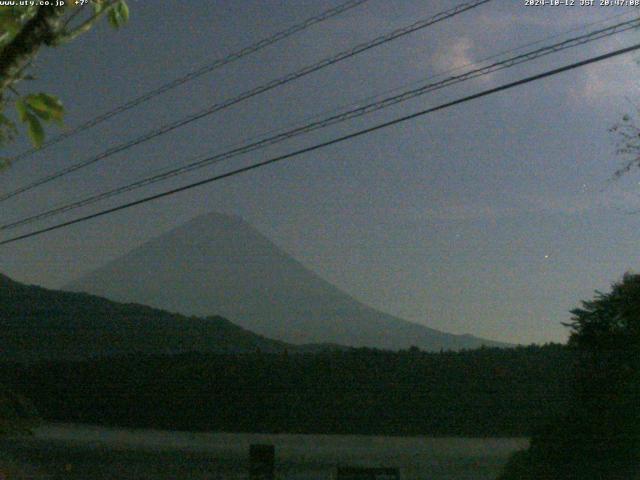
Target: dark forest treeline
484 392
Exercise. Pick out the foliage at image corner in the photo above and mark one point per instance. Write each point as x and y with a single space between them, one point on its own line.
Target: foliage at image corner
599 435
23 31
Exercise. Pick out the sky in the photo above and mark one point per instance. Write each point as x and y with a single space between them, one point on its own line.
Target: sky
494 217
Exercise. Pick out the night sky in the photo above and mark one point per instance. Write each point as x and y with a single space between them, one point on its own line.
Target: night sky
493 218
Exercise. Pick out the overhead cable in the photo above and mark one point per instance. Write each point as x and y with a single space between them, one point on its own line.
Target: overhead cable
332 120
363 47
210 67
327 143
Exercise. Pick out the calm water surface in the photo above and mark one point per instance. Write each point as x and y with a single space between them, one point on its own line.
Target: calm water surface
86 452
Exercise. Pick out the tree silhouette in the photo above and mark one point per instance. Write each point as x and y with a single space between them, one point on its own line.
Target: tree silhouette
599 436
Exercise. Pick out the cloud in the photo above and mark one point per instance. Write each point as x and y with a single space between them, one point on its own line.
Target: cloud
604 82
608 81
455 55
612 198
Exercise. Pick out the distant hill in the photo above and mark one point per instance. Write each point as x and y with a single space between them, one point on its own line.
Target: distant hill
218 264
40 324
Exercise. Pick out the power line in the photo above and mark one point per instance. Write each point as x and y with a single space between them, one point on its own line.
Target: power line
218 63
347 115
251 93
336 119
334 141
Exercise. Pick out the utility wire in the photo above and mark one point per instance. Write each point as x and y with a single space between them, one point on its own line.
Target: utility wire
250 93
218 63
339 118
333 141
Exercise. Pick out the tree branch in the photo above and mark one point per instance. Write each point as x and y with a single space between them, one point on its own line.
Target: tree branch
85 26
40 30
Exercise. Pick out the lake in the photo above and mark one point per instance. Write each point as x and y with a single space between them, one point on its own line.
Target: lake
73 452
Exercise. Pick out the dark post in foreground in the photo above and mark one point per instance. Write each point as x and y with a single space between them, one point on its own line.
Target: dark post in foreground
363 473
261 462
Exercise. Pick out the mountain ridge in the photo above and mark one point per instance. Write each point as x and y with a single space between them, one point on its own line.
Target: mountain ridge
218 264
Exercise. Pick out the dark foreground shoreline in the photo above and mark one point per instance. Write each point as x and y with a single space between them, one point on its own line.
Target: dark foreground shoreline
74 452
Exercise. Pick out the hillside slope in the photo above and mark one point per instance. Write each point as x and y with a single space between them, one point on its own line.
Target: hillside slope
38 323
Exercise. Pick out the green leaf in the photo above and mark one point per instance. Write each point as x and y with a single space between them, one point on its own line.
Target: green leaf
113 18
9 21
6 12
119 14
124 11
98 6
54 106
43 114
32 109
36 132
21 107
47 107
